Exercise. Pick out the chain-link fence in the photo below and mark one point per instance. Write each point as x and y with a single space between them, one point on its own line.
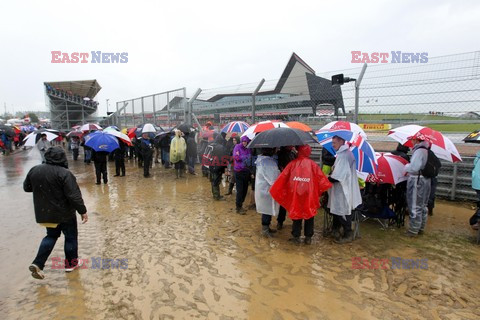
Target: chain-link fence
165 109
443 93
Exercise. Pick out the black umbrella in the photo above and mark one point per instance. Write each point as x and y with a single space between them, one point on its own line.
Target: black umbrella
8 130
185 128
473 137
280 137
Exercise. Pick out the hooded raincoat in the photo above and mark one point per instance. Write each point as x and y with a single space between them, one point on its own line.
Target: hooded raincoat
267 174
178 148
300 185
345 195
242 156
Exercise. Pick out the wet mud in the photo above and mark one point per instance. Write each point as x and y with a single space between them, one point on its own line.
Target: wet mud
190 257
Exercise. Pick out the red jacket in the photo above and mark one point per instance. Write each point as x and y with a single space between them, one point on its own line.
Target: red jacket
300 185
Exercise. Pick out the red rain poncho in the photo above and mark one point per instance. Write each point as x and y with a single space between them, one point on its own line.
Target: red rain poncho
300 185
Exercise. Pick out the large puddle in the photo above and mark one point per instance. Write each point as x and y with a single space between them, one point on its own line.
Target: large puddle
191 257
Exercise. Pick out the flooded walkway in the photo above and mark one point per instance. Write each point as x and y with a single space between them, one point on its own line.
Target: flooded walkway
190 257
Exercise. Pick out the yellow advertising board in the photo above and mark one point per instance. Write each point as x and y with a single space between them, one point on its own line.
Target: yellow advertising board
375 126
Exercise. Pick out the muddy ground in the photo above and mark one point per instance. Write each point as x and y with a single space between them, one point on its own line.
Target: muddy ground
190 257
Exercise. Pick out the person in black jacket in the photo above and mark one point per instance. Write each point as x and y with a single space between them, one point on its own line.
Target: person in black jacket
100 161
56 197
191 152
218 165
146 150
285 156
119 156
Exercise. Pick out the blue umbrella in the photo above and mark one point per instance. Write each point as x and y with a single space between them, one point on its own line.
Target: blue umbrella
101 141
361 149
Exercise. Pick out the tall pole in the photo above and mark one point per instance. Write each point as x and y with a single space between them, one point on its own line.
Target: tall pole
254 96
107 106
357 92
189 107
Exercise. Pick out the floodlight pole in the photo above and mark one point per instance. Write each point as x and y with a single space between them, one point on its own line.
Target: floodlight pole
189 107
254 95
357 92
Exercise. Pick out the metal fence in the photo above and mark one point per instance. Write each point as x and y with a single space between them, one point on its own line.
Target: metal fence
443 93
165 109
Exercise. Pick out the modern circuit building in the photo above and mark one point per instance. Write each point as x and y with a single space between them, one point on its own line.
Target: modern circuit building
71 102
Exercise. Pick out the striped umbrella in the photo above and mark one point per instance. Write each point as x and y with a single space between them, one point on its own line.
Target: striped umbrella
263 126
344 125
441 145
236 126
391 169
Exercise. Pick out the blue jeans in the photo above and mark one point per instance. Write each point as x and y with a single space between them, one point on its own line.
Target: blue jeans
88 155
70 232
191 164
166 157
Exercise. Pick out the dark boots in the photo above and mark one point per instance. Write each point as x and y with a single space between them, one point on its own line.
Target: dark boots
267 232
230 189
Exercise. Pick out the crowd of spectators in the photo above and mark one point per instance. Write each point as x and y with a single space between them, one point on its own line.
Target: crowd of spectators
70 96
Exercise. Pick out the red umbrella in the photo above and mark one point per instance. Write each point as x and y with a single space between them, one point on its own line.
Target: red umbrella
391 169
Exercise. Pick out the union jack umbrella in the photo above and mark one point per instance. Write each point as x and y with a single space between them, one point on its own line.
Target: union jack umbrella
236 126
361 149
263 126
440 145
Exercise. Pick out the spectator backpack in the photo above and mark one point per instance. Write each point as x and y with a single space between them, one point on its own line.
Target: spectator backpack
207 157
433 165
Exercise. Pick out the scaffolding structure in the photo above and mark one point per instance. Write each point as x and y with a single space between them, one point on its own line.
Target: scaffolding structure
71 102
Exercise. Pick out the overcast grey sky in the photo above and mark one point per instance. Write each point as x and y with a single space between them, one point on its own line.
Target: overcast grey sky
209 44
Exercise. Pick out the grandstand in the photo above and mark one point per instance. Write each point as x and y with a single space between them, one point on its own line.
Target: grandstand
71 102
298 93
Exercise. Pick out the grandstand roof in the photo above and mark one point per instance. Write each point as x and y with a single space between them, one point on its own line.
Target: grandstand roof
84 88
282 83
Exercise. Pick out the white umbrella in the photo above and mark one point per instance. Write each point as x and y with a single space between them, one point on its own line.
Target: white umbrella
119 135
148 127
31 140
90 127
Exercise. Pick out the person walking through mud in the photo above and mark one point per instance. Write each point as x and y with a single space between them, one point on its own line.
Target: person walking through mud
100 161
56 197
344 196
191 153
231 143
218 165
418 187
146 151
119 156
298 189
43 144
75 146
178 152
266 174
242 161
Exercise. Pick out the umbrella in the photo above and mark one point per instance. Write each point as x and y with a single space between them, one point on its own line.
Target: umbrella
361 149
32 139
280 137
299 125
148 127
90 127
208 135
344 125
132 133
473 137
119 135
75 134
8 130
263 126
391 169
101 141
235 126
185 128
441 145
111 128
